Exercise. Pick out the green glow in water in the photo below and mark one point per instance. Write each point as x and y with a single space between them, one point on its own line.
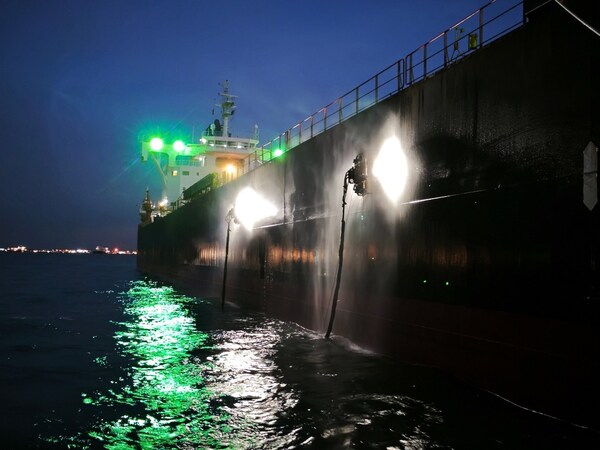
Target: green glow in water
165 399
101 361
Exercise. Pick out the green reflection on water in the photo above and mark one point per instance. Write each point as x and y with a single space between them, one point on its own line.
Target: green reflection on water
164 402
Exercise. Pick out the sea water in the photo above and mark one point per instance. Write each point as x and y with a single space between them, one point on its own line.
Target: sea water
94 354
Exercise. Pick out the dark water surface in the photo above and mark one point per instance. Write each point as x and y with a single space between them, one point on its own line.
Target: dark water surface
93 355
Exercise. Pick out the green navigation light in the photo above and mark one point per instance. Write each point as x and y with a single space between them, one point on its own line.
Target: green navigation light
156 144
277 153
178 146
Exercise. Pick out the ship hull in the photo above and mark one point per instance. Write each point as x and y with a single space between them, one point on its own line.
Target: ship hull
489 265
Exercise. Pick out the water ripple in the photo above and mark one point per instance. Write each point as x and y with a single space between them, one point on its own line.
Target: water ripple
180 375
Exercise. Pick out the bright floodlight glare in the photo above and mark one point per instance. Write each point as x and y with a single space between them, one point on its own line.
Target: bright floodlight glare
178 146
250 207
156 144
391 168
277 152
230 169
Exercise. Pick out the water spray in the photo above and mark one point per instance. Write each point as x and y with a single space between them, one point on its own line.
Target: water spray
356 175
249 208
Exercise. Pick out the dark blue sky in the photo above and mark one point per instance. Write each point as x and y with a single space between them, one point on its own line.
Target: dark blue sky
82 81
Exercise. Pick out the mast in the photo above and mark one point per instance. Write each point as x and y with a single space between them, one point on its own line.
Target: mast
227 107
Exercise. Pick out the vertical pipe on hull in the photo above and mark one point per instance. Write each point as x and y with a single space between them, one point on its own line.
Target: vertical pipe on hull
340 260
230 216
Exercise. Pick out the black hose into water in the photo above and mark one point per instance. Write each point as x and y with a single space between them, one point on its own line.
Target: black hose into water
340 259
230 216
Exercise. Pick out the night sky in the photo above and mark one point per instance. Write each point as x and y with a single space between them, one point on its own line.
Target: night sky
82 82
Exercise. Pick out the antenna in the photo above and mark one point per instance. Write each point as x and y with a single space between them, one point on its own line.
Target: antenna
227 106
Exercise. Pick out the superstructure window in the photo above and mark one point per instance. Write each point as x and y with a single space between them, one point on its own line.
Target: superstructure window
187 160
185 172
174 173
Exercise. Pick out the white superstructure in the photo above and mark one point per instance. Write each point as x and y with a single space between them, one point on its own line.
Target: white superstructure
216 152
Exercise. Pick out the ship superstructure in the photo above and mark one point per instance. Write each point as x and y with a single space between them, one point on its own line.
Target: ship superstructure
217 157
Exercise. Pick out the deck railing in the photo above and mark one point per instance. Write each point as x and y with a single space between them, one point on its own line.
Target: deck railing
479 28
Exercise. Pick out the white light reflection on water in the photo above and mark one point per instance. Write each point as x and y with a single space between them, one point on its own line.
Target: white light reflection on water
243 369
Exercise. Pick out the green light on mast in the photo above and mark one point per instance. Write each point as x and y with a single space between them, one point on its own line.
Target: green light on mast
156 144
277 152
